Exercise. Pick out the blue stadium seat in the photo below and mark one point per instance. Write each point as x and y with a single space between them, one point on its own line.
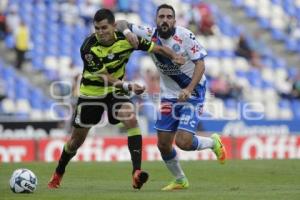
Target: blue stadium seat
36 98
124 6
263 22
193 2
279 63
51 75
292 72
9 72
241 74
9 41
22 88
267 84
291 44
225 53
250 12
254 78
237 3
276 2
37 63
277 34
14 2
213 53
267 61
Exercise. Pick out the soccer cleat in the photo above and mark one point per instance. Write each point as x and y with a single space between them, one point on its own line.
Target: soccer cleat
178 184
139 178
219 148
55 181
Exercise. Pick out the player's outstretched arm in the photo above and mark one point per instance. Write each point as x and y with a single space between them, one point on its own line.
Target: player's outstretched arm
123 26
167 52
127 86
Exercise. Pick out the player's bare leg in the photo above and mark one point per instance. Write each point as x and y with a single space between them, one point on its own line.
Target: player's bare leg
190 142
127 116
69 151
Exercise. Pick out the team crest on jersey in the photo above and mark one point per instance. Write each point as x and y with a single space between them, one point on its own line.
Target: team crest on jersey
111 56
88 57
176 47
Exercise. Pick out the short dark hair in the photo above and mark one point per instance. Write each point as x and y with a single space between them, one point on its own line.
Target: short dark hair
104 14
165 6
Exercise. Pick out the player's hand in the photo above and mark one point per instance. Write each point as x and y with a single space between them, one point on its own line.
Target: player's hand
132 39
137 89
178 60
184 95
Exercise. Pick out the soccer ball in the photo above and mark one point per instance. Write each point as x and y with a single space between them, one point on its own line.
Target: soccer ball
23 181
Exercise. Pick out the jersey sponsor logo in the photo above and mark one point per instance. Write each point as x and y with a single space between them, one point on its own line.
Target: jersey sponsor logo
178 39
168 69
165 108
176 47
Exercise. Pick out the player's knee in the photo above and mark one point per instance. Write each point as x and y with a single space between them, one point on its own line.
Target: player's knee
74 144
183 144
130 122
164 147
127 115
77 139
71 146
126 112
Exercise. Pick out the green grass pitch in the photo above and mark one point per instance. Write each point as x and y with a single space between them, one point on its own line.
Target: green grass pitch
264 179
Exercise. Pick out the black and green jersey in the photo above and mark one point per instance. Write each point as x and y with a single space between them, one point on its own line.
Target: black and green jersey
113 59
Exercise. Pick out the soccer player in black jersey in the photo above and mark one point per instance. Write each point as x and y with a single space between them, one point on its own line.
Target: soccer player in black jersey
105 54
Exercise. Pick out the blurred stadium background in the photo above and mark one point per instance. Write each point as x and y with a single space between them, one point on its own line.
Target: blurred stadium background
253 71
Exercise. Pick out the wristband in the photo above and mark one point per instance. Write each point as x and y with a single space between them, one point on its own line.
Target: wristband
125 86
126 31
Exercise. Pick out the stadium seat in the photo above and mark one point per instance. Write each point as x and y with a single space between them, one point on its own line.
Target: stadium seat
8 106
237 3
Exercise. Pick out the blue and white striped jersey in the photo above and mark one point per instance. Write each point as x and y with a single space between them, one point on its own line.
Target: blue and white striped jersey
173 78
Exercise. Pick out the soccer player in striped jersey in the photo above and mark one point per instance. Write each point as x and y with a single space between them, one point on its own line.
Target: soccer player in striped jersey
105 54
182 91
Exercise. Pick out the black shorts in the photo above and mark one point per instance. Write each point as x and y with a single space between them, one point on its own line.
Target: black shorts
89 110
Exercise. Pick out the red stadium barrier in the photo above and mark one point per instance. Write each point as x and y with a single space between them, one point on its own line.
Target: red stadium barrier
269 147
17 150
115 149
